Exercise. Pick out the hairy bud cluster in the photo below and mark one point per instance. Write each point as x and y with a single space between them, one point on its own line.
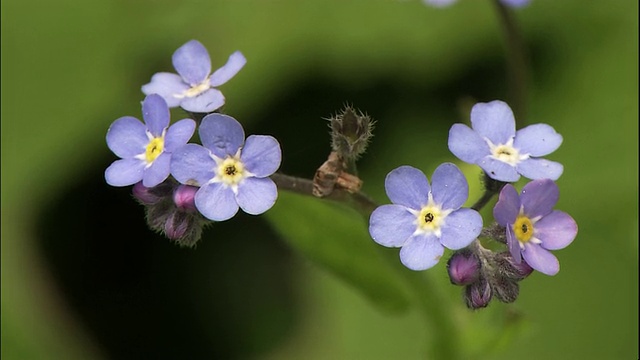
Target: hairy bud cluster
170 210
351 131
486 275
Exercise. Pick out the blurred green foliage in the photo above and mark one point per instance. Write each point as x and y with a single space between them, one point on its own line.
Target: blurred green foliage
69 68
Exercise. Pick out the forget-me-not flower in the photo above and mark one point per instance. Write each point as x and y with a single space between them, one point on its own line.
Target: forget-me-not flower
504 154
533 227
145 149
232 173
424 218
510 3
193 88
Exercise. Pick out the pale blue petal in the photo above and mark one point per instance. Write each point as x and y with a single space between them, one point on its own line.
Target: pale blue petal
516 3
533 168
439 3
178 134
206 102
261 155
421 252
167 85
540 259
499 170
192 164
155 113
466 144
507 208
127 137
124 172
407 186
230 69
494 121
461 228
158 171
537 140
221 134
192 62
256 195
556 230
391 225
539 197
449 186
216 201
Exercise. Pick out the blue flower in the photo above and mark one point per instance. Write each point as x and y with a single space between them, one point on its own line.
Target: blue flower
425 219
145 149
532 226
499 150
194 88
444 3
230 172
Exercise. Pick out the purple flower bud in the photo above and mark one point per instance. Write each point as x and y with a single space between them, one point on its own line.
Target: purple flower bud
510 269
463 267
184 197
176 226
478 295
144 194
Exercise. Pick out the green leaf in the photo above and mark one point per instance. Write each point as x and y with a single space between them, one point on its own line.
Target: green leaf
336 238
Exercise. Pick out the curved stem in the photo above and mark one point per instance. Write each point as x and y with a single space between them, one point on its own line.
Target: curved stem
491 187
517 64
359 201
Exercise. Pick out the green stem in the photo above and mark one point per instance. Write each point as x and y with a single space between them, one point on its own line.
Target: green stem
517 64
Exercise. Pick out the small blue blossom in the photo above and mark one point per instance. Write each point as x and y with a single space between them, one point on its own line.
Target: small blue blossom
499 150
145 149
532 226
424 219
194 87
232 173
510 3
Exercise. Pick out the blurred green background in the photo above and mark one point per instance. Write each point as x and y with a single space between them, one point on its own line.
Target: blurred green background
82 277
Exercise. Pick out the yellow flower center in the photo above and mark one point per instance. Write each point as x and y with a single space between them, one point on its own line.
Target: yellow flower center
523 228
154 149
506 154
194 90
430 218
231 171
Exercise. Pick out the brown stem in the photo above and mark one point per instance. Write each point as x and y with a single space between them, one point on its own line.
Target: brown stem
359 201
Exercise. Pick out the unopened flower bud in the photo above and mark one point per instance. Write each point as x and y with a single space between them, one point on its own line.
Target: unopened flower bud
508 268
506 290
152 195
463 267
185 228
478 295
351 131
184 197
144 194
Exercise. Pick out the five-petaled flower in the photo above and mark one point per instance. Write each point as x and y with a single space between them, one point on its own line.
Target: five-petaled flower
533 227
499 150
230 171
145 149
424 219
194 88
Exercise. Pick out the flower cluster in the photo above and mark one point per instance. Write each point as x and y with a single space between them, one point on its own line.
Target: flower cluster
423 220
183 185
